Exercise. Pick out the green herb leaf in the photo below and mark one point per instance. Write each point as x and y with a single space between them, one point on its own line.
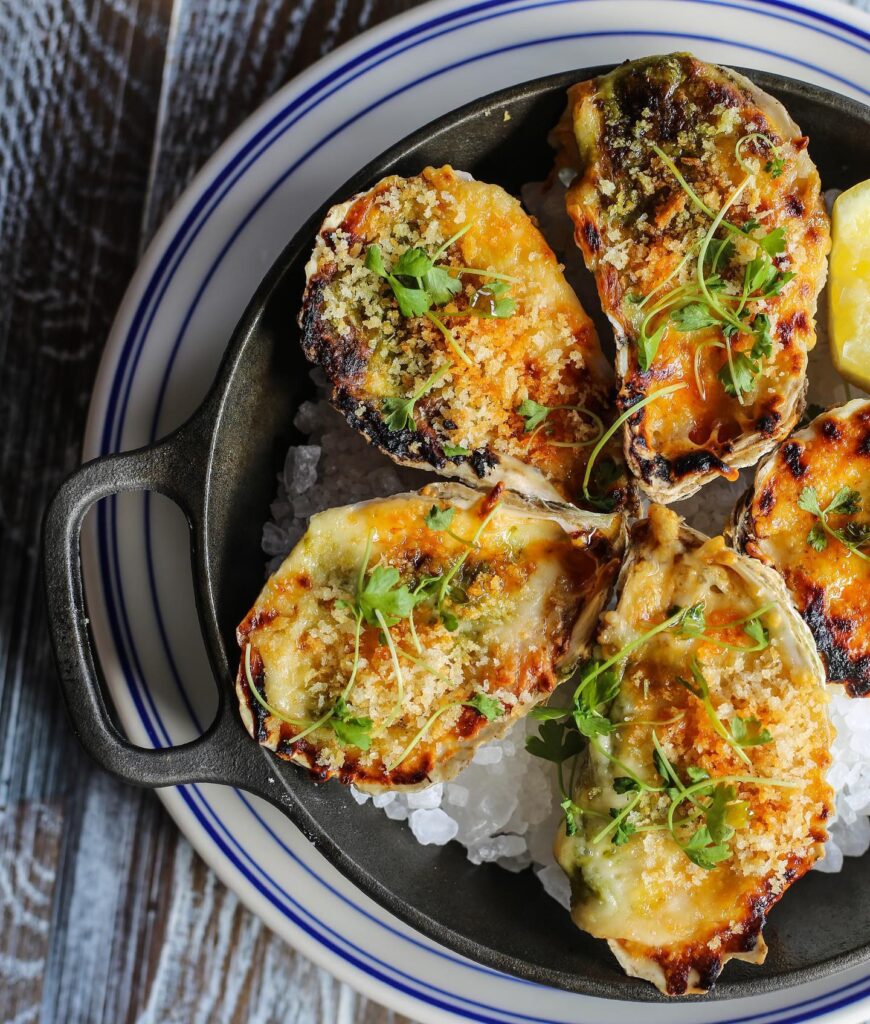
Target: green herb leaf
555 742
623 784
749 732
755 629
440 518
701 850
716 811
490 302
777 283
383 593
533 413
846 502
808 500
490 707
648 346
697 774
441 285
763 344
693 317
743 378
354 731
545 714
572 816
773 243
855 534
454 451
400 411
375 261
816 538
412 301
449 620
775 166
412 263
719 254
624 830
694 621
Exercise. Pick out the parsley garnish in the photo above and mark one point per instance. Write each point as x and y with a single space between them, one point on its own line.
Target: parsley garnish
533 413
490 707
455 451
419 285
693 317
535 416
846 502
355 731
749 732
400 411
775 167
440 518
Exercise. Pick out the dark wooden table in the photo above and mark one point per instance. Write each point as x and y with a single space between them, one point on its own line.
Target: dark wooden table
108 109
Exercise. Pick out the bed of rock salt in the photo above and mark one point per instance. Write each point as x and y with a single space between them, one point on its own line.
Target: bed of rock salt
504 807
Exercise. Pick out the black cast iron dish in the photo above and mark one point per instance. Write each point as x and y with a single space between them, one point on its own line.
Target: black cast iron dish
220 468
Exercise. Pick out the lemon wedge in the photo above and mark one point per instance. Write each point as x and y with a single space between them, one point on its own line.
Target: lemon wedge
849 285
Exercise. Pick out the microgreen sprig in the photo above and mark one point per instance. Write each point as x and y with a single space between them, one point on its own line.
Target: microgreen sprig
846 502
704 304
535 416
400 411
419 285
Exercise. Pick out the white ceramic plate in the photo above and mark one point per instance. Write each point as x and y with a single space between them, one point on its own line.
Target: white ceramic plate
172 328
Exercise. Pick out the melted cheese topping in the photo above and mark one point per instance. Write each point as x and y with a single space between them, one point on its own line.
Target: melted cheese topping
546 351
667 918
525 597
636 225
831 588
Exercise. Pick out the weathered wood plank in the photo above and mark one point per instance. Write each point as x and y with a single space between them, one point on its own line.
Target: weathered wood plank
222 65
106 913
29 847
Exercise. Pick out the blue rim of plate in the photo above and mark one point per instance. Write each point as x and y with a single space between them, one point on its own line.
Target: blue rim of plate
133 345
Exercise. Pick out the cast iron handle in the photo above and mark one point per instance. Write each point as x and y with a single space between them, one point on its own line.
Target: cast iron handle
170 467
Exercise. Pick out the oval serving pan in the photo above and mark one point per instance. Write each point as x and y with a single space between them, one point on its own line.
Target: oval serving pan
220 468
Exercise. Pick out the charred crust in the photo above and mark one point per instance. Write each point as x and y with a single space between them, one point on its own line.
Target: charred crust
344 357
831 430
832 635
698 464
794 205
768 422
364 416
787 327
256 619
258 675
591 237
863 446
483 461
792 453
766 500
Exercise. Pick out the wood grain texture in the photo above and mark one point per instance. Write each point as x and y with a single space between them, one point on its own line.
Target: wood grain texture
107 109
